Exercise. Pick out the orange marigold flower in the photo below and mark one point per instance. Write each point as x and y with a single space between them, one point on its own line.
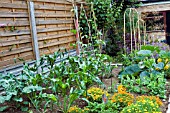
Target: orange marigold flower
121 88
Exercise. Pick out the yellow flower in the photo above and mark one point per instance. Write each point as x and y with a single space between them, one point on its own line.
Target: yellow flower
151 98
121 88
166 67
159 60
73 109
96 93
166 61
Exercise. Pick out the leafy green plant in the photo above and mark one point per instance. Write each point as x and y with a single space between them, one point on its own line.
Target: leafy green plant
96 107
145 73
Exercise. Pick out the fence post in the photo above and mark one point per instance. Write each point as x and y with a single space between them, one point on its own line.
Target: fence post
33 31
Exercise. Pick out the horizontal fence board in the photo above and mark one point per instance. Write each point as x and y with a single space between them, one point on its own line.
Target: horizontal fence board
13 42
54 8
25 15
25 32
52 15
53 29
53 1
46 7
15 23
38 22
15 33
15 61
49 22
57 43
55 36
13 14
14 51
13 5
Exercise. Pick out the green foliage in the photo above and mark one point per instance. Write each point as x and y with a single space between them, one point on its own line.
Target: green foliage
151 48
109 107
145 74
145 106
68 80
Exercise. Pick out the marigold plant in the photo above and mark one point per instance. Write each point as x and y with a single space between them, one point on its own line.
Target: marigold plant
122 97
151 98
75 109
95 94
144 106
121 88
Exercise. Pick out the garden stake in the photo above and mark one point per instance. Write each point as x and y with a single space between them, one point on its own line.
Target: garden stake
130 18
77 29
133 29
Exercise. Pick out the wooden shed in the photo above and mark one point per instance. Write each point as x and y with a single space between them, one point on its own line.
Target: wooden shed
156 14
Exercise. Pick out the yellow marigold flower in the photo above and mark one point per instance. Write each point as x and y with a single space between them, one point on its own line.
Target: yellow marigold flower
166 67
121 88
73 108
159 60
152 98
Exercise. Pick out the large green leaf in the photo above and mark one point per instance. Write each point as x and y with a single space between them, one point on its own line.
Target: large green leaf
31 88
133 69
143 74
144 53
160 65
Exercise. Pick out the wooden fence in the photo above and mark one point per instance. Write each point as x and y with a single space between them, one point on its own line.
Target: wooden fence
53 22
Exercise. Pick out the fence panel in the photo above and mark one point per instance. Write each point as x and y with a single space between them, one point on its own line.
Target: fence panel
54 20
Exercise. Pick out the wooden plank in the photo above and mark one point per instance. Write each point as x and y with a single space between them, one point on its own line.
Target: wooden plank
46 51
24 6
153 8
13 5
34 31
55 36
15 33
53 15
25 32
49 22
11 62
53 1
53 29
14 51
57 43
25 15
13 42
54 8
38 22
15 23
13 14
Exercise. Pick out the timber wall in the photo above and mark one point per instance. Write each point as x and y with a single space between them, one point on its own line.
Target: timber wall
156 7
54 20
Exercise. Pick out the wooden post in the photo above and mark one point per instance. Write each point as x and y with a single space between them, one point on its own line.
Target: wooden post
33 31
77 29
